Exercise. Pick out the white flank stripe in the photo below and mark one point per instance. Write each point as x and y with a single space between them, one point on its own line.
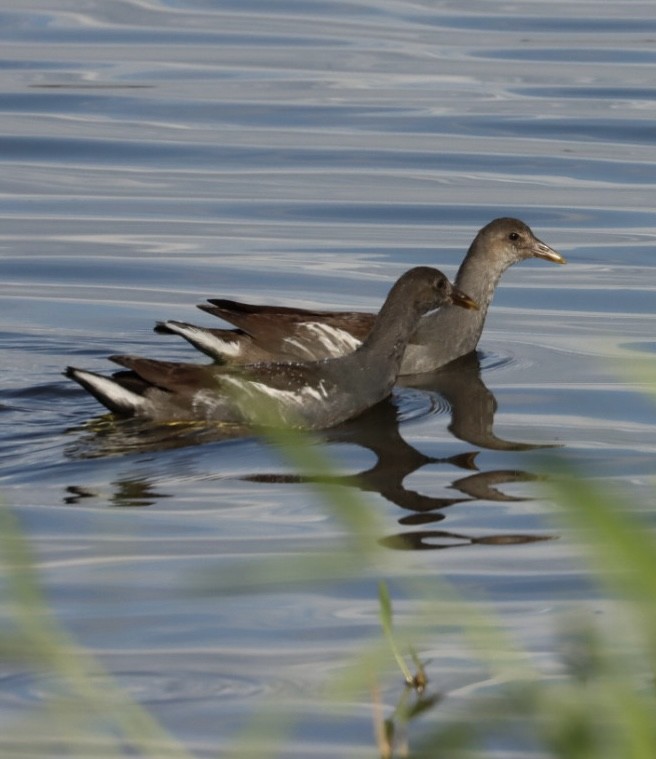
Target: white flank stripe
336 341
301 346
288 398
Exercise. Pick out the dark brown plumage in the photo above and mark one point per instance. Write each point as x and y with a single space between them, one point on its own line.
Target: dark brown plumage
269 333
308 395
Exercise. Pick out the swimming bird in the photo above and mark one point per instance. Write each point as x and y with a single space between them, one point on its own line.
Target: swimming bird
299 394
268 333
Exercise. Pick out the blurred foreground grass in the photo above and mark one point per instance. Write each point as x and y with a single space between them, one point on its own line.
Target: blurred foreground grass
602 706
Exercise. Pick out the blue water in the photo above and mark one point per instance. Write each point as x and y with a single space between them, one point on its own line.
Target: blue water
157 154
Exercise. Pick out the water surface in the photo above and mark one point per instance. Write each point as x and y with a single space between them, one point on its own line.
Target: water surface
156 154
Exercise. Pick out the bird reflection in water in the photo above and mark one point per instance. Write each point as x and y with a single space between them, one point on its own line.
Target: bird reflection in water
128 493
472 407
107 435
472 404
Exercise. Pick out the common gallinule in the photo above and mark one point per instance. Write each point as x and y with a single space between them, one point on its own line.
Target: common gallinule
274 333
301 394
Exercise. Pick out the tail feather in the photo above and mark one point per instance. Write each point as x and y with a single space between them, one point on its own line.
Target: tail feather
218 344
166 328
108 391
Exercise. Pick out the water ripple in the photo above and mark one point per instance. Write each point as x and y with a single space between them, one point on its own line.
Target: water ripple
143 686
156 154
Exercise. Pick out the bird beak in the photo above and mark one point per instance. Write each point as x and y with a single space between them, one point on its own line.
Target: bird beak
458 298
541 250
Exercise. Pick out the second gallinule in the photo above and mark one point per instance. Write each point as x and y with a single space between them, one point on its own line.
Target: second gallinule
269 333
300 394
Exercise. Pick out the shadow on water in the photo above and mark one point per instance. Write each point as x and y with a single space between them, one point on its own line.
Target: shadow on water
472 405
110 436
130 493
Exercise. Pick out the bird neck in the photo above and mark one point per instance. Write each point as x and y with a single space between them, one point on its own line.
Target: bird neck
478 278
453 331
386 343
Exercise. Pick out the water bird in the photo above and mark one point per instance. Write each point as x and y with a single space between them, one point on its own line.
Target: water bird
274 333
299 394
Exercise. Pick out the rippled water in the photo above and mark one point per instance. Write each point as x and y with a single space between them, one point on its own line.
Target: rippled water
155 154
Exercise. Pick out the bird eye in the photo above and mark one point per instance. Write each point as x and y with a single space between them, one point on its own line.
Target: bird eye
513 236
